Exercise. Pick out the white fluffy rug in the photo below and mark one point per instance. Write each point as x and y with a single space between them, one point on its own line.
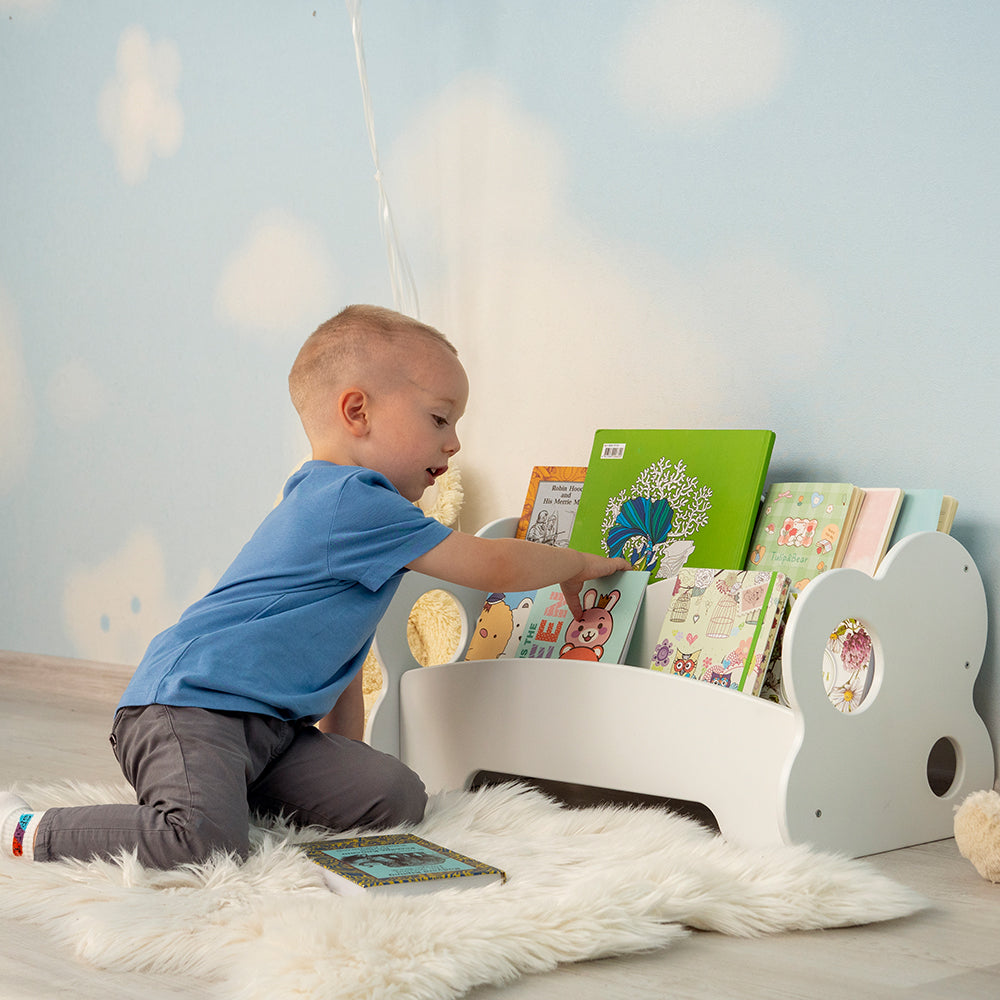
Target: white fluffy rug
581 884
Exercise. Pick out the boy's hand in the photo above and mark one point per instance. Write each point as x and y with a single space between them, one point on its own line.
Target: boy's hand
594 567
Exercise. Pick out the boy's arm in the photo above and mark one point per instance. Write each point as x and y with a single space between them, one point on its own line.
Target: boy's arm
505 564
347 717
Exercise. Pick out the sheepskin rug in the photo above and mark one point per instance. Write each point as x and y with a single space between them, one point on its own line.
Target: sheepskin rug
582 884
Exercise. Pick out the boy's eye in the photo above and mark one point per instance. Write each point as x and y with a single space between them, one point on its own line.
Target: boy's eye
440 421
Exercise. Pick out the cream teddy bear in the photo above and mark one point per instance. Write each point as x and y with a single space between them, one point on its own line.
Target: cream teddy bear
977 832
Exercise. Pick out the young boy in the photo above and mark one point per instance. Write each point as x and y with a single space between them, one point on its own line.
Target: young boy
219 719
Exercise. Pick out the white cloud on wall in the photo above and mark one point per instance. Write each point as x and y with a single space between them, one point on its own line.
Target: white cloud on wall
138 111
113 609
690 60
17 410
75 395
541 309
562 331
280 281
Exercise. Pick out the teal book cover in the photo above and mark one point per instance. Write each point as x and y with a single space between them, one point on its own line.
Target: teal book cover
664 499
602 633
398 861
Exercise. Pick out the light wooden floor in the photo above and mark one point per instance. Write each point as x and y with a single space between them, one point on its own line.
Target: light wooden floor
55 726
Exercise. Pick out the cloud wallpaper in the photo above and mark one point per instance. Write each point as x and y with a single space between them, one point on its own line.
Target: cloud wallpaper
704 213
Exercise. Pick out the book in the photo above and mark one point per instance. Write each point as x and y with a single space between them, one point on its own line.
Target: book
602 633
551 503
396 862
869 538
668 498
802 529
721 626
924 510
500 625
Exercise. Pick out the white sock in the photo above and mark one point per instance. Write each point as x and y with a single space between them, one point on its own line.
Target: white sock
18 826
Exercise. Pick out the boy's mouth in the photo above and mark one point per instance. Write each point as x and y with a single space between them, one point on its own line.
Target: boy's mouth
434 473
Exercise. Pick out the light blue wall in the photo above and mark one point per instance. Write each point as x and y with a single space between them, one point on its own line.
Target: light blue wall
715 213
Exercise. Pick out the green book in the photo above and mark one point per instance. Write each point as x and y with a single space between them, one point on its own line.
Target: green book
668 498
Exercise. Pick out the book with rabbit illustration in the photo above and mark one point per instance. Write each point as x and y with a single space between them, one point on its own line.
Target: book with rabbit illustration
664 499
721 626
602 633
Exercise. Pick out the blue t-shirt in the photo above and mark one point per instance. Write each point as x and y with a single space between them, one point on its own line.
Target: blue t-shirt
291 621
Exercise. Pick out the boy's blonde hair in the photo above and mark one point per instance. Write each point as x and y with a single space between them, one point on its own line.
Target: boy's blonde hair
357 338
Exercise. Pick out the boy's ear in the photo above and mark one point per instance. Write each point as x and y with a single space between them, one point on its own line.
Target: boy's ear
353 411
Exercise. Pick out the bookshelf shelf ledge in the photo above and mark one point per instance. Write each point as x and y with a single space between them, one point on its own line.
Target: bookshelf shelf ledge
857 783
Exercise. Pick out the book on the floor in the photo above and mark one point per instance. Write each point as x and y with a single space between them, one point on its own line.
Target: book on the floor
721 626
551 503
869 539
924 510
500 625
610 608
802 529
668 498
396 862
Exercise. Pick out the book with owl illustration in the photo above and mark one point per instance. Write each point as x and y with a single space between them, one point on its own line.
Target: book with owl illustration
551 503
664 499
602 633
803 528
721 626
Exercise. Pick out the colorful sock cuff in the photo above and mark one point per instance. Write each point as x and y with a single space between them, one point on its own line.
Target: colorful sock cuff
18 825
19 831
24 835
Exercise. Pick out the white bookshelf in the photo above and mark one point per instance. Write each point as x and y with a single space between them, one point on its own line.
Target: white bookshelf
858 783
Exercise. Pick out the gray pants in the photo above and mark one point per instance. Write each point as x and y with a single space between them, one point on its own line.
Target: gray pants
199 775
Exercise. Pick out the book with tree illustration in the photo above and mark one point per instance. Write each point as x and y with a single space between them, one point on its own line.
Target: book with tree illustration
551 503
668 498
721 626
803 528
602 633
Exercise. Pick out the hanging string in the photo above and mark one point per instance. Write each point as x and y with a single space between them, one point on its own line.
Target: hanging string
404 289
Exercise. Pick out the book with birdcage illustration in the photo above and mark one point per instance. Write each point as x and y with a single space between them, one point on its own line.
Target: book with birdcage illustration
667 498
721 626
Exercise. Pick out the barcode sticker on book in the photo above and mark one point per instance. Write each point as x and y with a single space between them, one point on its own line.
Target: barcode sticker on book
612 451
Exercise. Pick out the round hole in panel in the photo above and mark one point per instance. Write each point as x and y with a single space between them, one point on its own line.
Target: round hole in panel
852 666
942 766
434 628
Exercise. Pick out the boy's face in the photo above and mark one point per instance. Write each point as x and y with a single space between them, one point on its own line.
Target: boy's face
413 420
